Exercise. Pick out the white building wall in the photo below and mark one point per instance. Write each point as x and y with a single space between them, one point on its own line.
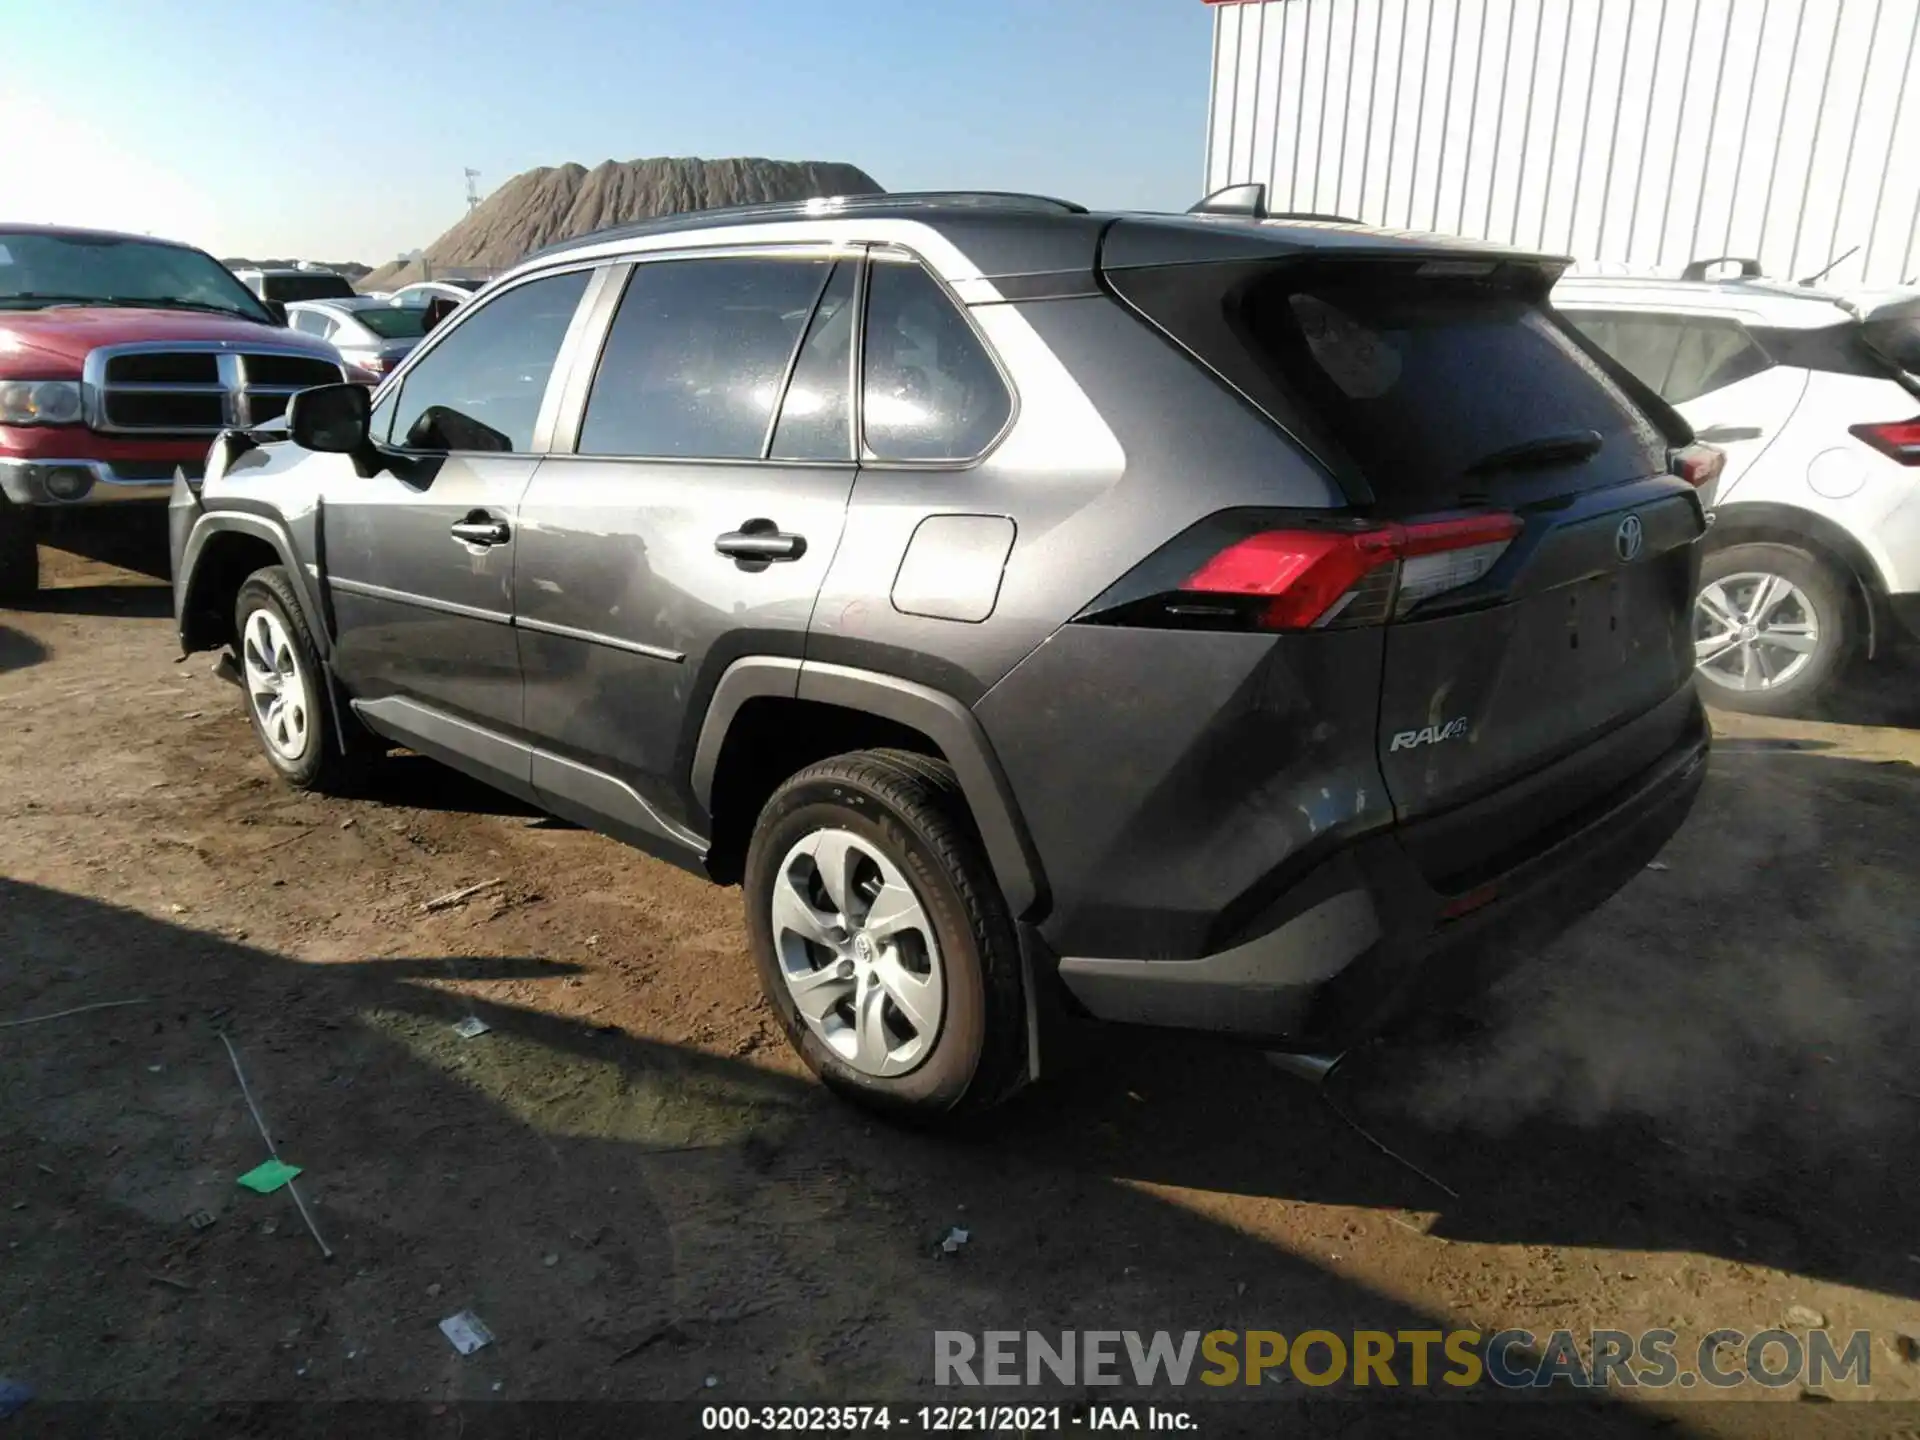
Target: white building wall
1642 133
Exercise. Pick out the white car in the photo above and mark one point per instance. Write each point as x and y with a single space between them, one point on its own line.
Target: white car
421 291
1814 551
374 335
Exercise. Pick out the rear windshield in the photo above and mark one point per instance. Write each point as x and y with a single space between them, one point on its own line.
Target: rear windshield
1414 382
305 287
394 322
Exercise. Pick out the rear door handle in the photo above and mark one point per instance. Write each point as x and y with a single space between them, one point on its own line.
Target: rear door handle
480 528
1725 434
761 540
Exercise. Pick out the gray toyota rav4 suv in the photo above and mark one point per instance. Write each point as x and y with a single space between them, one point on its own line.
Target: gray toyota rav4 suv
1259 625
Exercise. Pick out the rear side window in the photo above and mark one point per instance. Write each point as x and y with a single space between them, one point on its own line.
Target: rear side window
1679 358
694 362
481 386
929 390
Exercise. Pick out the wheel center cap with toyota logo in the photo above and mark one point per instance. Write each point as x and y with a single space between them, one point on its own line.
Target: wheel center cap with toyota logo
1629 538
863 949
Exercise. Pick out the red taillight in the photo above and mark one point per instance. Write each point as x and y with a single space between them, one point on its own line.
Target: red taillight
1310 577
1898 440
1699 465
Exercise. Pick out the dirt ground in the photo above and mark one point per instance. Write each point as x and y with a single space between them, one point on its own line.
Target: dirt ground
1696 1111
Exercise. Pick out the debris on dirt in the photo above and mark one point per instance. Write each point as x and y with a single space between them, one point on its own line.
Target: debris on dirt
1906 1341
76 1010
471 1028
467 1332
1806 1317
269 1176
457 897
711 1381
551 1261
260 1123
13 1397
169 1282
1658 865
433 1290
348 823
200 1220
956 1237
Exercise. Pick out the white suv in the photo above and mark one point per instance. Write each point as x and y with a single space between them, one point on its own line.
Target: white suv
1815 547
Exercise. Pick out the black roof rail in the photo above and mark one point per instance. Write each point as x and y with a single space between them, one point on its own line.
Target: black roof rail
1749 268
818 206
1249 202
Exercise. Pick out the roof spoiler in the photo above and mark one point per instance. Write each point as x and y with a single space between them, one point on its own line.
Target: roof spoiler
1749 268
1249 202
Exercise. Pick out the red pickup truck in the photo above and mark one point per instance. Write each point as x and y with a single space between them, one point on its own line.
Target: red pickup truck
121 357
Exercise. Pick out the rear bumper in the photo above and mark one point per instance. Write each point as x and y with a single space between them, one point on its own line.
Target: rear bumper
1366 938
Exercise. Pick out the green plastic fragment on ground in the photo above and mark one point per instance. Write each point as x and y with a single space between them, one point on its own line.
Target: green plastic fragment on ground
267 1178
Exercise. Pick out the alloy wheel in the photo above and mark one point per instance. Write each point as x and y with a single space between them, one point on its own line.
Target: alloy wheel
1754 631
858 953
277 686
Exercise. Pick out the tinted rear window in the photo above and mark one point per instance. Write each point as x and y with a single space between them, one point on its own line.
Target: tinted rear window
394 322
305 287
1408 381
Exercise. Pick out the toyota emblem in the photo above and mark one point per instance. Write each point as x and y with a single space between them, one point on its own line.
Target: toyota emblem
1628 539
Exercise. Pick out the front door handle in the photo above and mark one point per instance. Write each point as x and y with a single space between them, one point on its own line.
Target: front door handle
1725 434
761 540
480 528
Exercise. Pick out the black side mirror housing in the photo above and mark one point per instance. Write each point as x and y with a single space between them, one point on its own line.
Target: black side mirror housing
438 308
277 309
331 419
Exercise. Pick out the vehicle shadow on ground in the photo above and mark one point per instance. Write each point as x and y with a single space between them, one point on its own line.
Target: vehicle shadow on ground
414 782
1719 1060
134 602
630 1219
1885 691
18 651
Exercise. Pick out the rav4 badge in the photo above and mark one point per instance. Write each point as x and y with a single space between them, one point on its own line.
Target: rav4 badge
1430 735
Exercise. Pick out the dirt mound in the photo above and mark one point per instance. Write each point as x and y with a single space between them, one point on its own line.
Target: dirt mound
555 203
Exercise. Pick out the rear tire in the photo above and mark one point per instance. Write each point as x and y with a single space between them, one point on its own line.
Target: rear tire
1773 627
285 685
869 900
19 555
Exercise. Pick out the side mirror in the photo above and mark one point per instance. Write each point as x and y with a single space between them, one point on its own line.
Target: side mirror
277 309
331 418
438 308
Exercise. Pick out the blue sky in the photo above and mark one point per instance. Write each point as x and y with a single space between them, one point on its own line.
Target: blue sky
338 129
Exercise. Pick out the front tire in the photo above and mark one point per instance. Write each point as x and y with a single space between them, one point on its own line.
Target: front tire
881 938
1773 627
19 554
285 684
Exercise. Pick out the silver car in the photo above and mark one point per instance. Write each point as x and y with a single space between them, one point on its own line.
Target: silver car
375 335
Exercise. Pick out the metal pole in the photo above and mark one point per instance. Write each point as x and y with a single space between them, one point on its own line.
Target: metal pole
1259 66
1526 123
1586 120
1500 121
1746 119
1786 95
1233 91
1679 129
1813 151
1899 108
1853 135
1713 128
1473 106
1300 115
1353 46
1613 131
1446 114
1553 126
1213 101
1420 109
1373 89
1646 134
